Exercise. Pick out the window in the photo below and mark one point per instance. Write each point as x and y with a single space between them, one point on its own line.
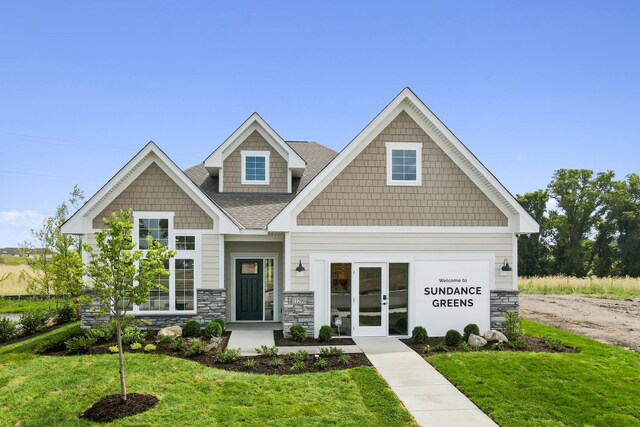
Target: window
404 163
184 288
158 228
185 243
255 167
269 279
398 298
158 299
341 298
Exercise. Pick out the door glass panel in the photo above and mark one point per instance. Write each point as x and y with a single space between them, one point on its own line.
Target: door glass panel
341 298
249 268
398 298
269 272
370 296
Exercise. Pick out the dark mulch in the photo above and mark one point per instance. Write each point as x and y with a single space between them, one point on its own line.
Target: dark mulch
281 341
111 407
264 364
40 332
534 345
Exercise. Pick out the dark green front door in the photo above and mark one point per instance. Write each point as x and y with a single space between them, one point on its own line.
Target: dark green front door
249 289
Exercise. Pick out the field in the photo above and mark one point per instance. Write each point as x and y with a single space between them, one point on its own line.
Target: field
602 287
13 266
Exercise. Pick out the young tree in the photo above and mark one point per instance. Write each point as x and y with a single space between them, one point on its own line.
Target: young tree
122 275
533 249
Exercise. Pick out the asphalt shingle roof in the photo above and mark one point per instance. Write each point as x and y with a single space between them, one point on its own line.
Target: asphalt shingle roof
256 210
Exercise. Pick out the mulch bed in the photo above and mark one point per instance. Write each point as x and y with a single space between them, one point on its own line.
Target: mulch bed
111 407
534 345
281 341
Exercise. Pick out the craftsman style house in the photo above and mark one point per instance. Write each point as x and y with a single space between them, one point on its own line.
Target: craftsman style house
403 227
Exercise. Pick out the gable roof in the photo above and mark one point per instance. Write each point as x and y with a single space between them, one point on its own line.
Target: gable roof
519 219
254 123
80 221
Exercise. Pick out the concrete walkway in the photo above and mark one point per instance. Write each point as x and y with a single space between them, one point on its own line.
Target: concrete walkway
249 336
427 395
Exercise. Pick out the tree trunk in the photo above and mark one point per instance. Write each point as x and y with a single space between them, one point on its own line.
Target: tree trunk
123 386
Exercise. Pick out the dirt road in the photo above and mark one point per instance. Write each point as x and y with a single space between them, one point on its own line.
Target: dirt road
610 321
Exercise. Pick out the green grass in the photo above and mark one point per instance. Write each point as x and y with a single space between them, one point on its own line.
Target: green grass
20 306
12 260
42 390
598 387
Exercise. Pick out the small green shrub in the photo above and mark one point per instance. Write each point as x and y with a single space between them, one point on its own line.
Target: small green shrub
229 355
452 338
299 356
166 339
191 329
297 366
344 359
426 349
471 328
276 362
213 329
325 334
66 313
464 347
135 346
132 334
79 345
33 320
298 333
513 325
518 344
440 348
331 351
196 347
553 343
220 322
100 333
321 363
419 335
249 364
113 349
7 329
177 344
267 351
149 348
499 346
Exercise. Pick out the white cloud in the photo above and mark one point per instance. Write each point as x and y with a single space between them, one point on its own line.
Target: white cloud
16 225
552 205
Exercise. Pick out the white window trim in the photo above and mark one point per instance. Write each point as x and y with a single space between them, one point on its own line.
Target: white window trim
417 146
182 254
265 154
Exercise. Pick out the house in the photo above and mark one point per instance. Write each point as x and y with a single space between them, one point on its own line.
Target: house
403 227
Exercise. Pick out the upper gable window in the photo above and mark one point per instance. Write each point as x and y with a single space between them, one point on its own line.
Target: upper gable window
255 167
404 163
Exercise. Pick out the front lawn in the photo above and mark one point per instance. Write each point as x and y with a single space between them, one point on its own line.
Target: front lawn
20 306
43 390
599 386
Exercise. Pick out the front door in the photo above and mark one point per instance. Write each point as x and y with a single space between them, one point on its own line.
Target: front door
369 299
249 289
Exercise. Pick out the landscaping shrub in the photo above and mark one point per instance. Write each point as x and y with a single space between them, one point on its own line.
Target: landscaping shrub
177 344
195 348
276 362
229 356
419 335
298 333
191 329
321 363
452 338
113 349
331 351
326 333
344 359
7 329
426 349
136 346
471 328
150 348
440 348
299 356
79 345
133 334
513 325
220 322
518 344
166 339
33 320
267 351
297 366
499 346
213 329
100 333
66 313
249 364
464 347
553 343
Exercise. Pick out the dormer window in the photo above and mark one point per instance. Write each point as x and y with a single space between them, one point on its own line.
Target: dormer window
255 167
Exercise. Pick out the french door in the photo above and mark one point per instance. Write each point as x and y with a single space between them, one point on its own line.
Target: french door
369 299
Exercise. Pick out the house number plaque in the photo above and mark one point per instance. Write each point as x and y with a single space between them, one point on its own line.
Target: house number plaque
297 300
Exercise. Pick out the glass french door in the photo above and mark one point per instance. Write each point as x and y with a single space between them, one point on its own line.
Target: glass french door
369 299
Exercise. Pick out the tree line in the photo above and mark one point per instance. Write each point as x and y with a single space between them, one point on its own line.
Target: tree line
589 225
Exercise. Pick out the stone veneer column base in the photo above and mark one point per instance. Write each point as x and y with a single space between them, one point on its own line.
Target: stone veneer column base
503 301
211 304
297 309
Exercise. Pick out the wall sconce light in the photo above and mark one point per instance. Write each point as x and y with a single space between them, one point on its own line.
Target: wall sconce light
506 266
300 269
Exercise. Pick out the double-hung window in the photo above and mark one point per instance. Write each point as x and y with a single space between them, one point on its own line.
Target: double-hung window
255 167
404 163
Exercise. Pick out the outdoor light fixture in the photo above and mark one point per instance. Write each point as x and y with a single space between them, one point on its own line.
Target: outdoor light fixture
506 266
300 268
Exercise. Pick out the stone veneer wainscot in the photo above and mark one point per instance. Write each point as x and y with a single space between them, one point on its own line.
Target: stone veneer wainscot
503 301
298 310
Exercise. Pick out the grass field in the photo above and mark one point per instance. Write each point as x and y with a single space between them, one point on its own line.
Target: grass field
13 266
597 387
52 391
603 287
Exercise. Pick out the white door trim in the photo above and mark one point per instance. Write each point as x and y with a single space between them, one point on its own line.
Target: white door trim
364 331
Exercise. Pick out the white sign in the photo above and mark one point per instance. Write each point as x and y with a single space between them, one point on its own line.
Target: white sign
451 294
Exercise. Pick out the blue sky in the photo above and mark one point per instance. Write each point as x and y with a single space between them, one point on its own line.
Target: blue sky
529 87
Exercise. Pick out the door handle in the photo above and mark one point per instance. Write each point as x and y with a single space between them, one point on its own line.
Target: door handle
384 297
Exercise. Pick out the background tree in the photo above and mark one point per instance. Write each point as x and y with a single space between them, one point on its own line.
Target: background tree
623 210
533 249
122 275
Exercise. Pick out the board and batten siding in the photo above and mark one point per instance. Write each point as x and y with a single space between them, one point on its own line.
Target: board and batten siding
302 244
210 261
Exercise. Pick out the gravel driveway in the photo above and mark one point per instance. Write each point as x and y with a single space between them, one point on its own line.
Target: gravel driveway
610 321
